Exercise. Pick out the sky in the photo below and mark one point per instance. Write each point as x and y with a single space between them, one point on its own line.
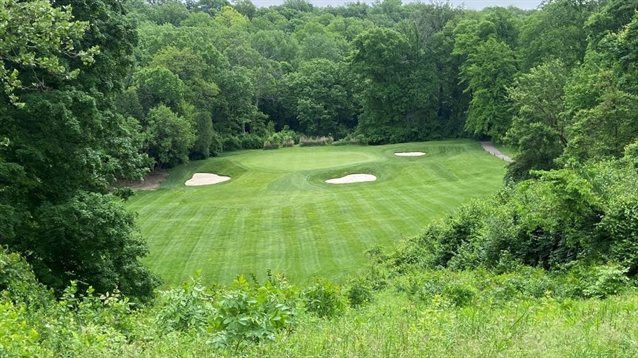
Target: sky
469 4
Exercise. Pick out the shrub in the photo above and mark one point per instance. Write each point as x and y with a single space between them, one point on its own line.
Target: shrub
18 339
351 139
250 141
459 294
231 143
315 141
185 308
285 138
416 253
324 299
288 135
619 230
455 289
459 231
270 145
568 215
248 314
18 282
600 281
359 293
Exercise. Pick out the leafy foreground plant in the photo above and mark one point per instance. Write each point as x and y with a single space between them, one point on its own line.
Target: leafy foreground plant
242 313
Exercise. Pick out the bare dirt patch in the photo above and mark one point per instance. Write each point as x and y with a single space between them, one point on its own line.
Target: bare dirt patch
409 154
352 178
151 181
199 179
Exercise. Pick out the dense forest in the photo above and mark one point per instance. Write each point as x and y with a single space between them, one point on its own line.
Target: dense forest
97 91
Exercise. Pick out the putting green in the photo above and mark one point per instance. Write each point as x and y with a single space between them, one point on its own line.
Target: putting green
277 212
302 159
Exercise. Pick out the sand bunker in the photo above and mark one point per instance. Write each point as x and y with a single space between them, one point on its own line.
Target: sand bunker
410 154
353 178
206 179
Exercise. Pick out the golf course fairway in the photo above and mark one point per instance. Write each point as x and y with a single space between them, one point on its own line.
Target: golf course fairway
277 212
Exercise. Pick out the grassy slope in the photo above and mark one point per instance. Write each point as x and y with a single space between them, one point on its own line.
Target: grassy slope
277 213
396 327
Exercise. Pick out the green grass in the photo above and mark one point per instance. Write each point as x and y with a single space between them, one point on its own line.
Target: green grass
397 327
277 213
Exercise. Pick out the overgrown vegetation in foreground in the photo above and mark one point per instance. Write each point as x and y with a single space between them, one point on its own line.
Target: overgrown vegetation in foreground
565 286
525 312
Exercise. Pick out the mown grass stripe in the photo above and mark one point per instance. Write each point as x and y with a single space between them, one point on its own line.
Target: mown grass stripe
341 253
201 253
306 244
270 243
347 231
174 244
227 239
361 220
291 267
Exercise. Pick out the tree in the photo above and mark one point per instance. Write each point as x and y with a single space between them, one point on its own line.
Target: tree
399 89
170 12
233 110
198 86
321 96
128 105
489 67
613 16
275 45
538 130
169 137
604 126
298 5
435 24
276 51
212 7
98 229
157 85
66 147
488 72
555 32
205 133
602 96
245 7
30 25
323 46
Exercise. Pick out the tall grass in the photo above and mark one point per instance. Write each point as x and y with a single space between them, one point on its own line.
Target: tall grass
396 327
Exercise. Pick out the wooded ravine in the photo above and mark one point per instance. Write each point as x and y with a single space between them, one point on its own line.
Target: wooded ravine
98 93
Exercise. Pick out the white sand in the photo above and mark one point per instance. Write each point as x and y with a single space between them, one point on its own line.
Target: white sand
410 154
353 178
206 179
